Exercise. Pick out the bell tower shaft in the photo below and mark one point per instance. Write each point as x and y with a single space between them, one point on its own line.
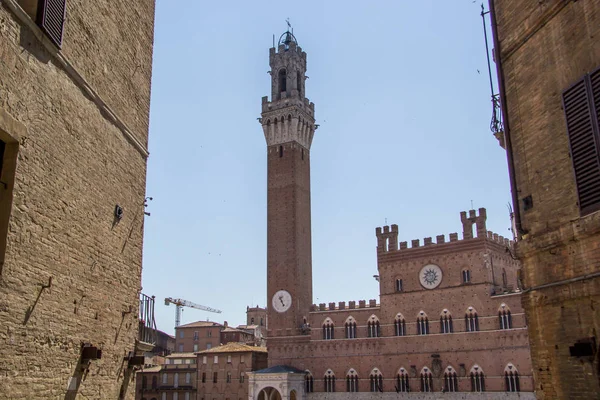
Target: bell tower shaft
288 124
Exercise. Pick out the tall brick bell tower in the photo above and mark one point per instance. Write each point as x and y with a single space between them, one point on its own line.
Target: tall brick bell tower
289 126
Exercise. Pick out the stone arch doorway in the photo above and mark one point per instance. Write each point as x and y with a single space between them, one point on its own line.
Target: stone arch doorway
269 393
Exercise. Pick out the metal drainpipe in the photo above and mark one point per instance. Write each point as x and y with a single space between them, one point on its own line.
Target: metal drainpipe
503 106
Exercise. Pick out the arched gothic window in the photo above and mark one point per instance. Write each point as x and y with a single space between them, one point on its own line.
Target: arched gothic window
352 381
471 320
422 324
308 382
164 378
329 380
446 322
373 328
328 329
450 380
504 317
426 380
402 382
477 379
400 325
154 382
511 379
282 80
376 381
144 382
350 328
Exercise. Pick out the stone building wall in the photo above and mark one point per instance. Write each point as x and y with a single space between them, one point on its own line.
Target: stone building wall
78 120
545 47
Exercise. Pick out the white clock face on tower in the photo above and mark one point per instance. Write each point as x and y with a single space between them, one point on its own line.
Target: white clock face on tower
430 276
282 301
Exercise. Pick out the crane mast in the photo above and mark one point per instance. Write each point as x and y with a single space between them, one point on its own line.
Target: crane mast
180 303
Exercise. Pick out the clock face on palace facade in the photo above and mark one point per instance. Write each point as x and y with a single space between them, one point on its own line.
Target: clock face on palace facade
282 300
430 276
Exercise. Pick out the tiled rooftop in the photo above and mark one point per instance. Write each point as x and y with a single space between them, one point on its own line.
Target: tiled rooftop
234 348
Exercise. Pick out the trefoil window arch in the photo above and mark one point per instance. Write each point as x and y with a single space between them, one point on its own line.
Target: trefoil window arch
329 381
373 327
376 381
446 322
504 317
400 325
426 380
450 380
511 379
352 381
308 382
422 324
471 320
328 329
402 381
477 379
350 328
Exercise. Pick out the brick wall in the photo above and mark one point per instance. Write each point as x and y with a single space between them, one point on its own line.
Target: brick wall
289 264
75 164
545 47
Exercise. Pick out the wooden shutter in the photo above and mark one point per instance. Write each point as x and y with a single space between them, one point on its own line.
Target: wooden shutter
51 18
582 127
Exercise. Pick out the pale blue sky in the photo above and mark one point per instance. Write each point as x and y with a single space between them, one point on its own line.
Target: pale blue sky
404 135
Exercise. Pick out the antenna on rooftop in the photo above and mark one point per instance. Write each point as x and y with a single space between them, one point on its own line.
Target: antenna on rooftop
496 125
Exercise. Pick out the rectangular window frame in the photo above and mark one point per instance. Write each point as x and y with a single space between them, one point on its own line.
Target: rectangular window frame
588 83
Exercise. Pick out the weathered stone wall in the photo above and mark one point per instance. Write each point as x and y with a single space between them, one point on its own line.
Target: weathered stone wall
545 47
74 166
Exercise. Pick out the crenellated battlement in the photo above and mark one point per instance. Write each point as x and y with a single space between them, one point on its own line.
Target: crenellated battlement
352 305
289 116
387 237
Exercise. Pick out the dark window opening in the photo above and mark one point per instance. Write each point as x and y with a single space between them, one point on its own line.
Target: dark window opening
376 383
450 382
398 285
215 375
402 383
282 81
204 377
477 382
583 131
446 324
299 83
422 326
308 384
466 275
280 151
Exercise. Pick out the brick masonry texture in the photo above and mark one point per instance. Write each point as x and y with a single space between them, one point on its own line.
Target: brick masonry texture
545 47
74 165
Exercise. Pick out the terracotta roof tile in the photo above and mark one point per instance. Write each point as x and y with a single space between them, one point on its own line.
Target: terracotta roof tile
234 348
200 324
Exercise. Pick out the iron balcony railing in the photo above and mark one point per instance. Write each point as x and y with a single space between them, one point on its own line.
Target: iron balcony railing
147 328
